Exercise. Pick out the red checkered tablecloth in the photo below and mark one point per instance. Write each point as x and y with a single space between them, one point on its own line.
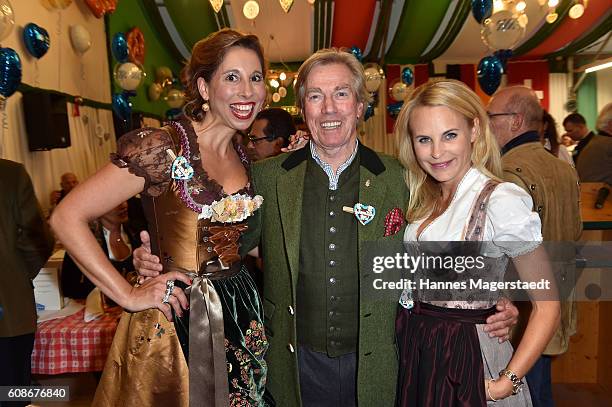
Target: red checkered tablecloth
71 345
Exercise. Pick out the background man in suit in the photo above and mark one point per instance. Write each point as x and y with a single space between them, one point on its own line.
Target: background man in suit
576 128
68 181
552 183
117 237
25 246
269 133
331 344
596 162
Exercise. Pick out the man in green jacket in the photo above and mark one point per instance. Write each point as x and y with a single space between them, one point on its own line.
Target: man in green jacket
331 342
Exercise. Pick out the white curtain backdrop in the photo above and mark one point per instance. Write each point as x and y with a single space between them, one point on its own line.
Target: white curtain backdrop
558 92
604 88
65 70
374 133
92 140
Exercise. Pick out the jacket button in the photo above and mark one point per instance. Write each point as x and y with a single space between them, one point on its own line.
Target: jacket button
290 348
290 309
332 263
332 247
332 230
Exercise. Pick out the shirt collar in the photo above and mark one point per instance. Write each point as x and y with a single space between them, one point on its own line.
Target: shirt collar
333 178
528 137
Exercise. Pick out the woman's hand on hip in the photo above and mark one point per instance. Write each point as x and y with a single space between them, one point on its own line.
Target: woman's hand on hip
152 292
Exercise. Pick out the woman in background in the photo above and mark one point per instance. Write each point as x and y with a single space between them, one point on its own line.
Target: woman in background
549 137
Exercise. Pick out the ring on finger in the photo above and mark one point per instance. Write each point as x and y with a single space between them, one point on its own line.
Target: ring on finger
168 293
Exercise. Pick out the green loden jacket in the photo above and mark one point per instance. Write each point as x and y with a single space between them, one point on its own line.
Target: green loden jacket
276 228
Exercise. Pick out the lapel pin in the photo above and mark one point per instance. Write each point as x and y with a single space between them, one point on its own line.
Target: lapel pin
363 213
367 183
181 170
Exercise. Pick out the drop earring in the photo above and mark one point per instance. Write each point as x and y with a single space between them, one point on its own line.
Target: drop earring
205 106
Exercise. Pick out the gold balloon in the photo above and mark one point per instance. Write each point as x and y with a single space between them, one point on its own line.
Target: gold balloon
155 91
7 19
175 98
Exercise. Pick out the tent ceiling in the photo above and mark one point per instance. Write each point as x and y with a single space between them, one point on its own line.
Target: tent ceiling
401 31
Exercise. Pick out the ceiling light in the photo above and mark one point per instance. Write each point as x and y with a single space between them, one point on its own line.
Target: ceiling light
551 17
274 83
216 5
282 76
576 11
250 9
599 67
520 6
553 3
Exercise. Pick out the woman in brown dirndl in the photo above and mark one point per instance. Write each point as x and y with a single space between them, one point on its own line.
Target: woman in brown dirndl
453 171
194 335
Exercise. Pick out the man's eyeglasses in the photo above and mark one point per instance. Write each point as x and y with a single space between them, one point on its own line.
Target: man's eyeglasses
254 139
492 115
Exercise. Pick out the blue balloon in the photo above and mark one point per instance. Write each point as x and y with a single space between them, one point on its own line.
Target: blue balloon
357 53
36 40
172 114
394 108
490 71
119 47
10 71
482 9
122 107
503 55
369 112
407 76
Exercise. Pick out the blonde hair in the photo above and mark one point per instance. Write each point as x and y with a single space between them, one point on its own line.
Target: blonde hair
424 189
330 56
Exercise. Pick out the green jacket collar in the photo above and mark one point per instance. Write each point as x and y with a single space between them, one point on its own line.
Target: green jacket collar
367 158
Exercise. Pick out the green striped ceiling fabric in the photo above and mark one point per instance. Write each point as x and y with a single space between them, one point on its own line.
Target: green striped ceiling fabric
323 19
461 12
156 21
418 25
382 29
194 19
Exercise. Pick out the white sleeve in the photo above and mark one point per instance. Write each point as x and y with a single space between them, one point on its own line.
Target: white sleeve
516 229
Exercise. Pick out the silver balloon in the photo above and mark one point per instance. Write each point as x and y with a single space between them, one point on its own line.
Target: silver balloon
128 75
399 91
502 31
374 75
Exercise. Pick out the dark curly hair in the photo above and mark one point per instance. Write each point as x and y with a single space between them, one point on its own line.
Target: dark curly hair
206 56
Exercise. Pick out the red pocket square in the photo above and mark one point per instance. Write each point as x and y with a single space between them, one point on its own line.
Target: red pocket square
394 221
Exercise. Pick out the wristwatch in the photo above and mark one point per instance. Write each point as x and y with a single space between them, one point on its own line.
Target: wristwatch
517 384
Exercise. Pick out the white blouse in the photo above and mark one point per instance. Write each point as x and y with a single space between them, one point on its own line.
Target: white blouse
510 219
511 229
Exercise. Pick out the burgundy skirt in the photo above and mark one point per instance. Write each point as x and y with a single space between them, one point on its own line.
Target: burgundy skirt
440 357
